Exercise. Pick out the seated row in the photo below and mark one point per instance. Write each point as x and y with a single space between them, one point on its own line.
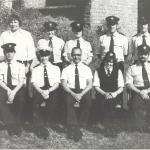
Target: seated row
76 80
112 40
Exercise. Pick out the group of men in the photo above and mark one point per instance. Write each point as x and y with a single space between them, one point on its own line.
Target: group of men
22 67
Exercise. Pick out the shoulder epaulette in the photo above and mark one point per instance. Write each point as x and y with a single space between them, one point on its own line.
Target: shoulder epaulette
135 35
36 66
122 33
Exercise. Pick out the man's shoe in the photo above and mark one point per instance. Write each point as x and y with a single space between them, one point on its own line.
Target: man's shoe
77 135
13 130
41 132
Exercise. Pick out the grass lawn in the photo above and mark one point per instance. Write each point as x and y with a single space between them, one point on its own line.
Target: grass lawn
116 138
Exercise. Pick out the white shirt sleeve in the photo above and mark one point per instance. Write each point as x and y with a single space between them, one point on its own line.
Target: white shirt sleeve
30 47
126 46
57 75
96 81
129 78
120 79
64 75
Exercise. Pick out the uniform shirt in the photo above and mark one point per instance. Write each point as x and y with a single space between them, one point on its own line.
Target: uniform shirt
96 81
58 45
134 74
17 72
120 45
68 74
84 45
137 40
53 73
25 49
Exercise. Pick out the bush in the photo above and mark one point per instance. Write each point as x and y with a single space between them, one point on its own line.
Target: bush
33 20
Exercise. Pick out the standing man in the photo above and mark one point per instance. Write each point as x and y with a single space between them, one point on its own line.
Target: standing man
85 46
54 43
114 41
25 49
77 82
143 37
109 84
138 81
45 79
12 92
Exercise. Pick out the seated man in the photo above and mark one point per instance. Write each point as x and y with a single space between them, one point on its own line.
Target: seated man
77 82
109 84
12 92
138 81
45 79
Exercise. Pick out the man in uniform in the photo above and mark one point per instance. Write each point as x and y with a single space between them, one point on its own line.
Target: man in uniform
109 84
45 79
54 43
143 37
114 41
12 92
77 82
85 46
138 81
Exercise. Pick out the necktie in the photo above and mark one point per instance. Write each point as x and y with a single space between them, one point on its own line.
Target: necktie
9 81
144 40
111 46
51 45
145 77
108 72
46 81
77 83
78 43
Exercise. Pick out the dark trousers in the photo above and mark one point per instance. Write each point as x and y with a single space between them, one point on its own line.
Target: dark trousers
44 114
78 116
105 109
141 109
121 66
12 113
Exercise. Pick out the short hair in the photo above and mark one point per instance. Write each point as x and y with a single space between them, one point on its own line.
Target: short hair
74 48
14 17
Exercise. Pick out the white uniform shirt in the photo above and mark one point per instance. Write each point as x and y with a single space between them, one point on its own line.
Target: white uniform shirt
58 45
96 81
134 74
68 74
84 45
120 45
25 49
17 72
53 73
137 40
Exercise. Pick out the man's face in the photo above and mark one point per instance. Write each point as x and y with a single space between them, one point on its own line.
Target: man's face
144 28
76 55
51 33
9 56
14 25
78 34
112 28
143 57
44 59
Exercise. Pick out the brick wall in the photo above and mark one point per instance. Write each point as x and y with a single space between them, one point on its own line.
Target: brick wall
126 10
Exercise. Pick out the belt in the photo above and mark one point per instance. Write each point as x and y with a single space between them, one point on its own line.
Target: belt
141 88
74 90
25 61
45 88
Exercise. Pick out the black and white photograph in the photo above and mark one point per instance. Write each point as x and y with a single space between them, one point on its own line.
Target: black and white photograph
74 74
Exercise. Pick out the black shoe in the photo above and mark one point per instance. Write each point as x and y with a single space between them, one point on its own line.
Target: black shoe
13 130
41 132
74 133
